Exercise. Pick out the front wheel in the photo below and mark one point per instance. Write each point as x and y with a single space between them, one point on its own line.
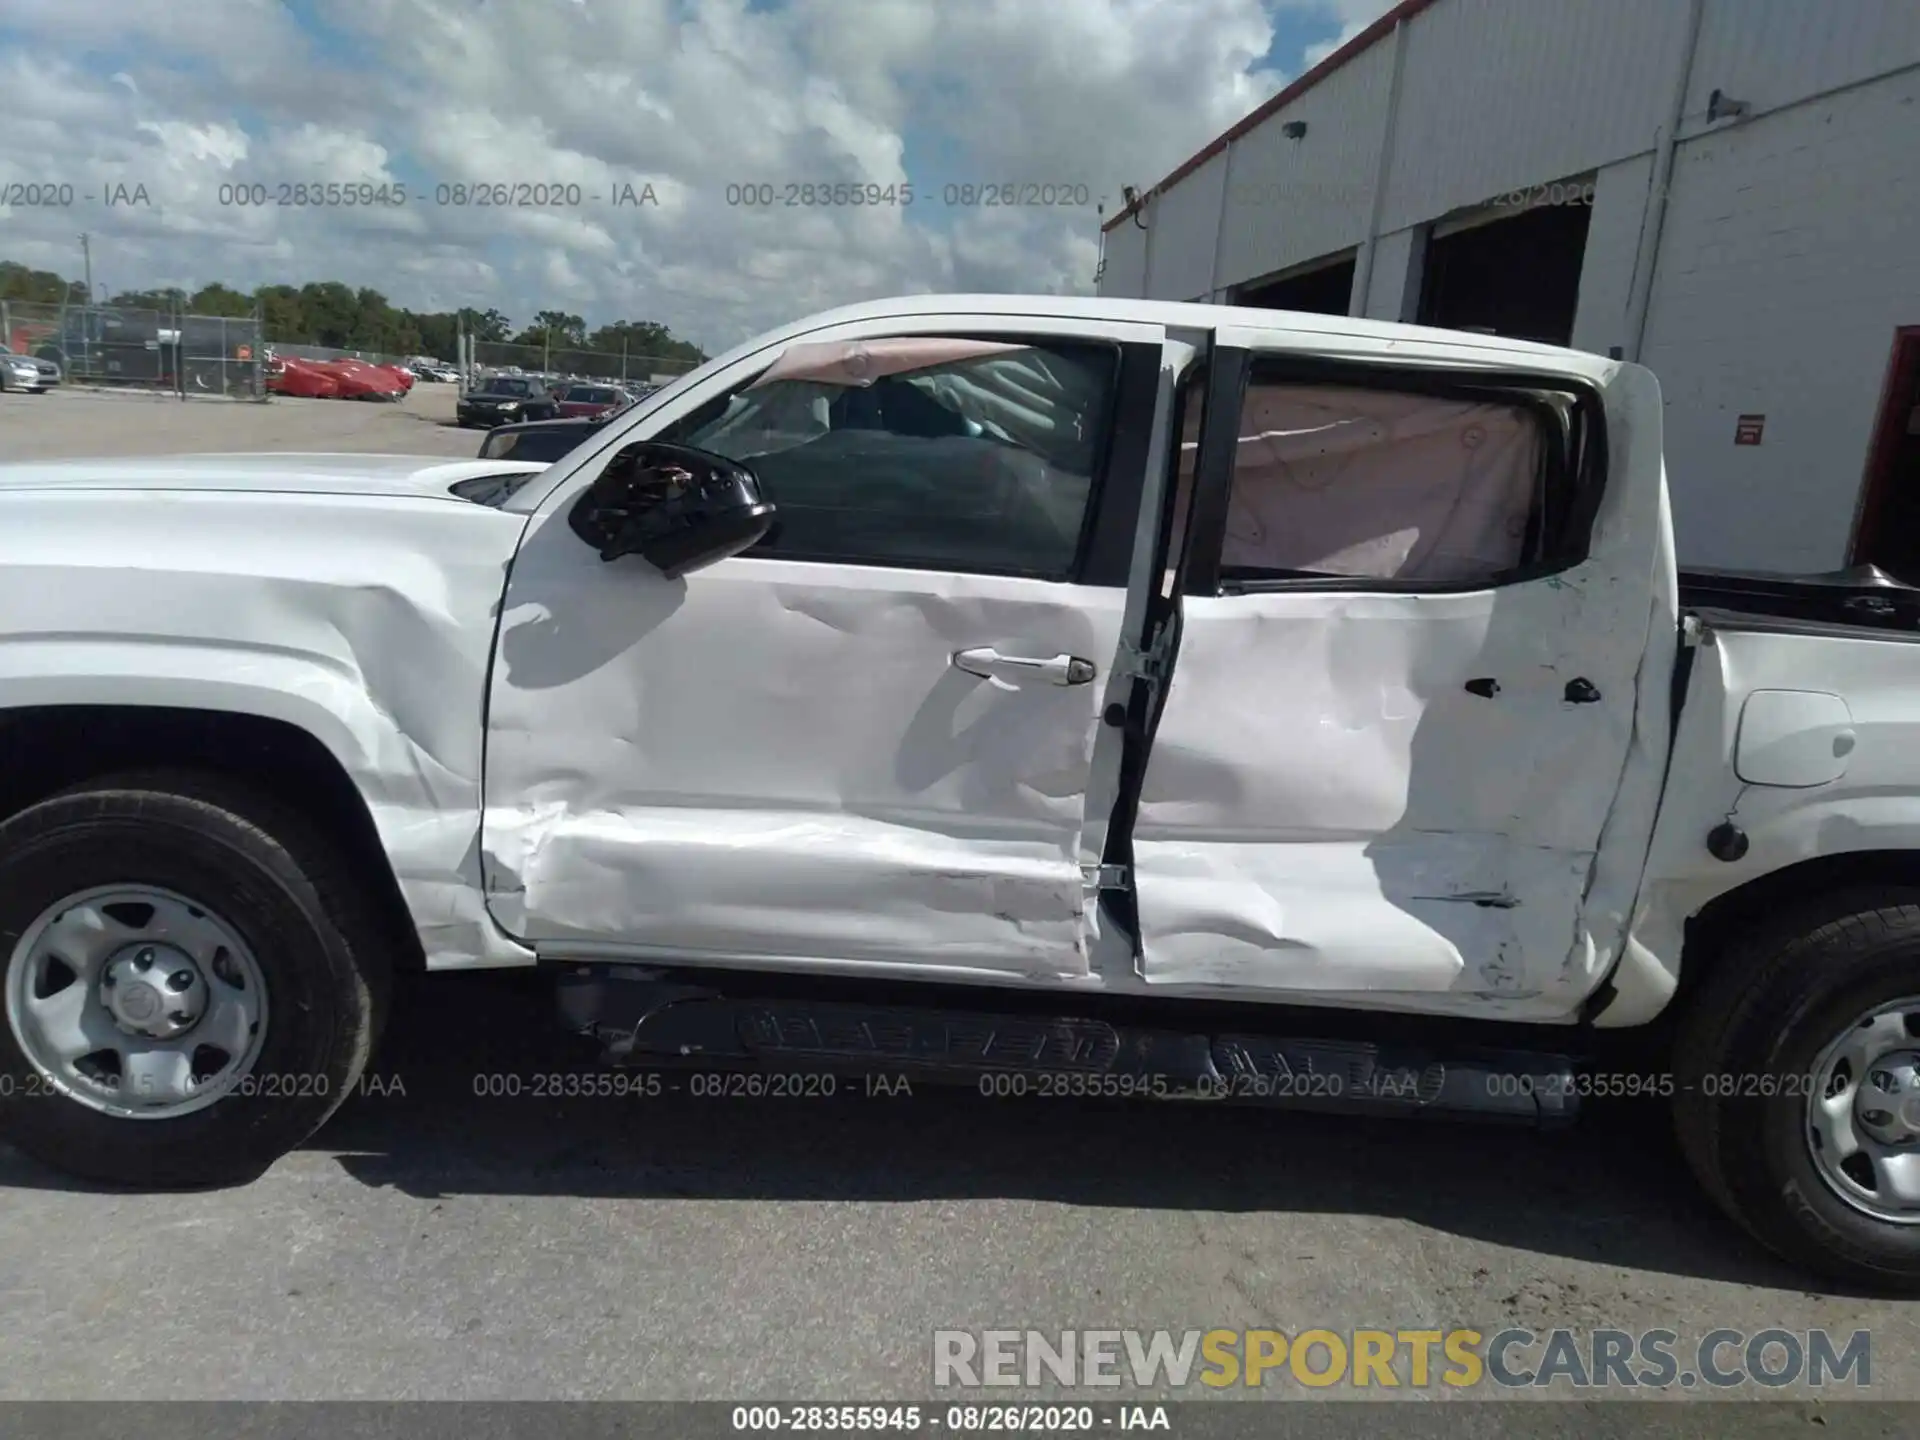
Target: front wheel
1797 1071
192 983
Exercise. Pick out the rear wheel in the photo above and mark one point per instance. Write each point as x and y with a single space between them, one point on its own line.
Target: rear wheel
1797 1073
192 983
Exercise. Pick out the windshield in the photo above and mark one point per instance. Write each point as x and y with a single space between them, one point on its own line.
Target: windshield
507 387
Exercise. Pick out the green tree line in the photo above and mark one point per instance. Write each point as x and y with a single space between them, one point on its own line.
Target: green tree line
326 312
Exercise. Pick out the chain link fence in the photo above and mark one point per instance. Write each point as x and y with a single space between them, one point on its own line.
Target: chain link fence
157 350
331 352
617 366
185 354
495 356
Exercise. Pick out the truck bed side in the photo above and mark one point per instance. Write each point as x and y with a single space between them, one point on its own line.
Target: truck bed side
1814 681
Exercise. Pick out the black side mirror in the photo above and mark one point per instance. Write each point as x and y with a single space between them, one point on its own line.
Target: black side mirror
678 508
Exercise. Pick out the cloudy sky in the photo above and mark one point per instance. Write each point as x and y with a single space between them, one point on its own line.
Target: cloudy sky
206 103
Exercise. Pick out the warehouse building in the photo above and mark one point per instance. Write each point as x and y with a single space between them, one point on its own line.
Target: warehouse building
1726 190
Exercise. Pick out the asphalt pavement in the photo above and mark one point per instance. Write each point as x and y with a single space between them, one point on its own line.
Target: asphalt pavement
436 1241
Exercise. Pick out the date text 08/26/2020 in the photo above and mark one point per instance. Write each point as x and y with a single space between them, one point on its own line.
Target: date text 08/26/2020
969 194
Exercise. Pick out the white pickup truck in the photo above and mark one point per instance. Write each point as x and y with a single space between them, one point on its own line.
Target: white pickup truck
1091 696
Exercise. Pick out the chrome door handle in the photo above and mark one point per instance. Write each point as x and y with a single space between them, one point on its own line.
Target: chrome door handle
1004 670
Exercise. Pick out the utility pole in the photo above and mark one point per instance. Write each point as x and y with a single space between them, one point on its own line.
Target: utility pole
86 260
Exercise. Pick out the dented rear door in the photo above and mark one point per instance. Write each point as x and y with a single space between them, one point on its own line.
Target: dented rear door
1419 778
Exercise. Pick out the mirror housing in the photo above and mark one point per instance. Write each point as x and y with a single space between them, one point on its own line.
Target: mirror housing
678 508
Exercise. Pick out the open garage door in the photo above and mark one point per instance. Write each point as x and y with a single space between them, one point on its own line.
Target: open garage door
1517 276
1323 291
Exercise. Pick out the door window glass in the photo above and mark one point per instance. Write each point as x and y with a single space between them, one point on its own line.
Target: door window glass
1343 481
926 451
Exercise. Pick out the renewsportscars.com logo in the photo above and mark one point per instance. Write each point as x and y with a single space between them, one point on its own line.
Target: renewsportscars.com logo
1458 1358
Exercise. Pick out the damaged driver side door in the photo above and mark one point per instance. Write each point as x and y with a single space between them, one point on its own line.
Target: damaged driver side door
866 742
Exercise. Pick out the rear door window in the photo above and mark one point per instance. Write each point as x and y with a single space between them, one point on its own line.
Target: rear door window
1358 483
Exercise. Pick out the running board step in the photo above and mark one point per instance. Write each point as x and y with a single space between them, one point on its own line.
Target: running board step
643 1022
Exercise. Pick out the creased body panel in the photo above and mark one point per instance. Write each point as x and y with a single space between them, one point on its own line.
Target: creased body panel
779 759
716 879
365 621
1343 806
1441 797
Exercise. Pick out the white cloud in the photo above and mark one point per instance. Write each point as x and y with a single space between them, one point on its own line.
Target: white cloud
687 96
1354 16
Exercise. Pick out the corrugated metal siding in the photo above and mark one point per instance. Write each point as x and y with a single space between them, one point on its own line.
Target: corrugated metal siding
1789 251
1183 222
1125 275
1778 52
1393 290
1293 200
1500 94
1787 261
1620 195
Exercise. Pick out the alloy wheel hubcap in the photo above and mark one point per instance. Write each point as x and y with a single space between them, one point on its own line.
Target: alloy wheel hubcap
154 990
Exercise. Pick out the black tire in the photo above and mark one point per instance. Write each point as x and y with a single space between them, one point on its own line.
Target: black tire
292 897
1780 994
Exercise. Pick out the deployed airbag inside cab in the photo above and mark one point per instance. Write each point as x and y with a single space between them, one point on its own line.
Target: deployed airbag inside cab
1338 480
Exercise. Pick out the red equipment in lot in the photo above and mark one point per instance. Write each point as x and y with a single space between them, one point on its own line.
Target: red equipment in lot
306 379
362 381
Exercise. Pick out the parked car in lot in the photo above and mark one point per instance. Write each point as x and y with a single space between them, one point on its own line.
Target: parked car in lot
541 440
27 373
435 373
548 440
1090 696
577 400
498 399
